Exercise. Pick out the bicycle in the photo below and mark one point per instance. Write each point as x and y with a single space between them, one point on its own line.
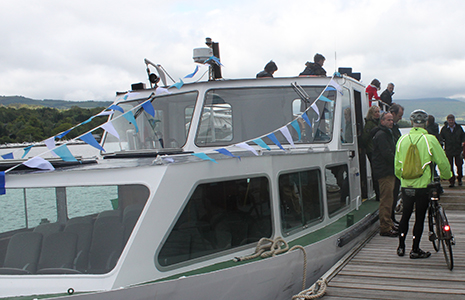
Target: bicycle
440 232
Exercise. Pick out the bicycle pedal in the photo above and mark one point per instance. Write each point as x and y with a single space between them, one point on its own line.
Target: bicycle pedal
452 241
432 237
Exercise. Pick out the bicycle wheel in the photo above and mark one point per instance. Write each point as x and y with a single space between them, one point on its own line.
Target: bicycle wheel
447 249
433 229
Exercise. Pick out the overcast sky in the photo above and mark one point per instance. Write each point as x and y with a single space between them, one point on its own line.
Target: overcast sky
88 50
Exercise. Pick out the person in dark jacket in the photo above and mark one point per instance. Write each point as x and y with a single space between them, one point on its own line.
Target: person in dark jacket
433 128
384 150
371 122
269 70
386 95
453 137
316 67
397 112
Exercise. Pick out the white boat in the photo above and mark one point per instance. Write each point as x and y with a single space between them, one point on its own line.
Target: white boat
216 166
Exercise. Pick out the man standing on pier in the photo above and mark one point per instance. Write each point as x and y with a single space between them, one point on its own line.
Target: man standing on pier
414 190
453 137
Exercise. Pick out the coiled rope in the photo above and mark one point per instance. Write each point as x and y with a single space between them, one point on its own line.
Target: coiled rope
317 290
269 248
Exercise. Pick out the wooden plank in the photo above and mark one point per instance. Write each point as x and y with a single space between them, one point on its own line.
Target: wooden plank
376 272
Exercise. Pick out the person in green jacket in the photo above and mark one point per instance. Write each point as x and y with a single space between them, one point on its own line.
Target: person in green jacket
415 191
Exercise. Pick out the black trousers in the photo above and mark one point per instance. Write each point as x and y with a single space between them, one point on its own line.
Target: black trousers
419 198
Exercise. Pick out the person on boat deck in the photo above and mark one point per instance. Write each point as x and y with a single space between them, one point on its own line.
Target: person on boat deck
397 112
415 191
316 67
372 91
453 136
383 170
386 95
371 122
269 70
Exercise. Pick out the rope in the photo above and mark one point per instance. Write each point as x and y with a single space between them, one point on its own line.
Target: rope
317 290
269 248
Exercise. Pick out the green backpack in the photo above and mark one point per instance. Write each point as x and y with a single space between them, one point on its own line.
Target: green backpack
412 165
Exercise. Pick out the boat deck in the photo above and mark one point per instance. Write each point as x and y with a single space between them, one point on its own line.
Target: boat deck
376 272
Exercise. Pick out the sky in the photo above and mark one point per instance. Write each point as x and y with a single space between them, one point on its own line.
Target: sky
88 50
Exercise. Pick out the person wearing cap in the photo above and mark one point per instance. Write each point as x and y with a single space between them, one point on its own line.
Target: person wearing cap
415 191
269 70
316 67
453 136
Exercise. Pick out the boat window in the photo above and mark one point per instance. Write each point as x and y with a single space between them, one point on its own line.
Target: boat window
219 216
300 199
239 114
168 128
347 135
337 188
89 224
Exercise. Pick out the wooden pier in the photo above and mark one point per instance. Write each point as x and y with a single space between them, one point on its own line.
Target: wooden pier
376 272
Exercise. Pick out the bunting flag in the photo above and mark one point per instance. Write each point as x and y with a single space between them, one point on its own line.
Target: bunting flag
261 143
130 117
26 150
8 156
273 138
64 153
89 139
215 59
177 85
203 156
63 133
148 107
296 126
193 73
2 183
50 143
168 159
227 152
161 91
306 119
105 113
108 126
87 121
336 85
323 98
247 147
116 107
39 163
285 131
317 111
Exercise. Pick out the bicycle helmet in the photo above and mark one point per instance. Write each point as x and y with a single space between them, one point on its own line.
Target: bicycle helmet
419 116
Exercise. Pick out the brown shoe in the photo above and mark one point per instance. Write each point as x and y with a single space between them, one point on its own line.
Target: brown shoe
390 233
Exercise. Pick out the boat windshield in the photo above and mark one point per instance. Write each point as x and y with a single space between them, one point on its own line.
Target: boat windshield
67 230
234 115
168 127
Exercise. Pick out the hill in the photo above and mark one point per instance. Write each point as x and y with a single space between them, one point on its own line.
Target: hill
20 101
438 107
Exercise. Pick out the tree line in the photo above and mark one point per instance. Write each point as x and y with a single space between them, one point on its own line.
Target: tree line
27 124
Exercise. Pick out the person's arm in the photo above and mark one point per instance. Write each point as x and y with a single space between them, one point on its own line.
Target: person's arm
440 158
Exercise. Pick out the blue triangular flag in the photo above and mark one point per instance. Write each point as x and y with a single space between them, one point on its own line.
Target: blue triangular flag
203 156
296 126
323 98
261 143
8 156
26 150
130 117
63 133
148 107
273 138
2 183
226 152
177 85
193 73
305 117
89 139
64 153
116 107
87 121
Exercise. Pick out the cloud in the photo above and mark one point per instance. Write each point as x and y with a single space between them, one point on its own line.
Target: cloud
90 49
